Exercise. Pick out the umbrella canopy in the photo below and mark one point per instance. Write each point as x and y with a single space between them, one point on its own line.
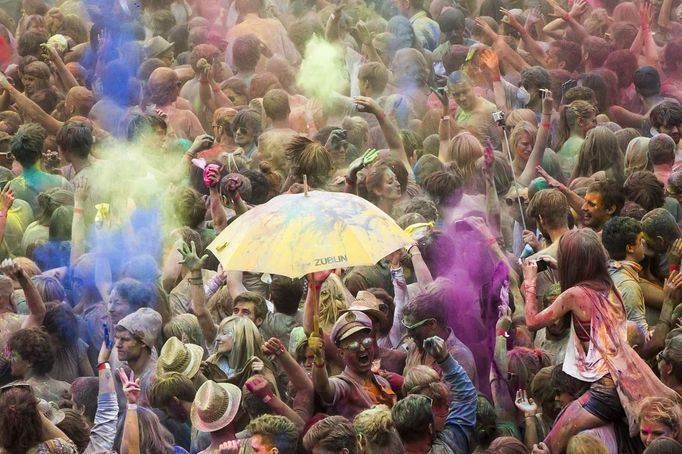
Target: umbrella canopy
296 234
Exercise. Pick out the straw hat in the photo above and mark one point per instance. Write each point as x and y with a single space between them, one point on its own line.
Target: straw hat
50 411
215 406
156 46
178 357
369 304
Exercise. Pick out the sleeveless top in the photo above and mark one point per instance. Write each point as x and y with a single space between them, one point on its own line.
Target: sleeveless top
609 353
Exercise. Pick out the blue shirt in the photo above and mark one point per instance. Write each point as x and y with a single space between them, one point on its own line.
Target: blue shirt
33 181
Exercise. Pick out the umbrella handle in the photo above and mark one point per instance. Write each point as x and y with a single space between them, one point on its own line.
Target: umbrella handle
305 185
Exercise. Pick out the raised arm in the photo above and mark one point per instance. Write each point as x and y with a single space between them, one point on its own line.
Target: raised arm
536 319
489 61
103 431
261 388
671 299
578 9
304 401
323 387
31 109
78 228
389 129
196 282
67 79
36 306
131 428
530 44
461 418
535 158
574 200
6 200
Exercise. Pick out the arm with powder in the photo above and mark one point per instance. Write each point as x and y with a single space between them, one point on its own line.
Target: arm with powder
68 81
196 282
103 431
31 109
535 158
36 306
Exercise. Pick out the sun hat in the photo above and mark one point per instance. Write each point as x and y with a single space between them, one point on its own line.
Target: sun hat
350 323
145 324
215 406
369 304
156 46
178 357
50 411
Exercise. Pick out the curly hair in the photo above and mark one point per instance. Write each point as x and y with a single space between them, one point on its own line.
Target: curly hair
643 188
618 233
136 293
20 420
661 410
376 426
34 346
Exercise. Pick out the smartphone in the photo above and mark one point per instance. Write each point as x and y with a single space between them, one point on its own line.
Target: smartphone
462 226
542 265
107 338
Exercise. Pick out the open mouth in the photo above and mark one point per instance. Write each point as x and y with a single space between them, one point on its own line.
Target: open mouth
363 359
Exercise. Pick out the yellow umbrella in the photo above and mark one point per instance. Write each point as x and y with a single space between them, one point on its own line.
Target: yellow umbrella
296 234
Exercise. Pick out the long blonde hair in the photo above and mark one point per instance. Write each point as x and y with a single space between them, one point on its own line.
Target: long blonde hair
464 150
637 156
247 341
569 116
600 151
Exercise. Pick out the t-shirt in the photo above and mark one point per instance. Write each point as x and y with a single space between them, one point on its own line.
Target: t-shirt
568 154
32 182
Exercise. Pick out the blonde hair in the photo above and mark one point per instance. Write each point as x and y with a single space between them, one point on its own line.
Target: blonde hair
247 341
518 131
637 156
376 426
464 150
585 443
425 381
663 411
569 116
600 151
516 116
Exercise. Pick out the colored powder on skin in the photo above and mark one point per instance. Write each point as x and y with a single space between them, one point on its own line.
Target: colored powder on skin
323 75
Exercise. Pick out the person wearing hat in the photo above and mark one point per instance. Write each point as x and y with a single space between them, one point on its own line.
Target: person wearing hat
387 358
213 411
157 47
176 356
136 335
356 388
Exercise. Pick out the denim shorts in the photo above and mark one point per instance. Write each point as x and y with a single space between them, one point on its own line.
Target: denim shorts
602 400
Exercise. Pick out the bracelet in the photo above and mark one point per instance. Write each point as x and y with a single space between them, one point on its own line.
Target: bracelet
381 116
490 241
497 78
566 17
529 416
216 89
78 211
445 118
501 334
674 268
320 365
267 398
132 407
545 124
195 280
237 197
103 366
350 181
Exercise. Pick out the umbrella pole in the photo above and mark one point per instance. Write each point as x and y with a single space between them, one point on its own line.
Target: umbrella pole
305 188
316 307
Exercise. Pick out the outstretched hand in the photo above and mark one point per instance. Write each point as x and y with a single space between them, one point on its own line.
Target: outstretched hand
190 258
525 405
11 269
6 199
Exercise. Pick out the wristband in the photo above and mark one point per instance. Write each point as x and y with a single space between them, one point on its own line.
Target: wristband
497 78
381 116
445 117
320 365
350 181
237 197
267 398
566 17
78 210
103 366
674 268
132 407
216 89
545 124
490 241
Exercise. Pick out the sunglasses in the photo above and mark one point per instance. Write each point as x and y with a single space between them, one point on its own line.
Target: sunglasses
416 325
355 346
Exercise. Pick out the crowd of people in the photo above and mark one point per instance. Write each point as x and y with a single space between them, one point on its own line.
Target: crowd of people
530 149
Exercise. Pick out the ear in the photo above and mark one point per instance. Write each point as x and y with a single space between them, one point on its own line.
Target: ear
274 450
259 321
611 210
667 369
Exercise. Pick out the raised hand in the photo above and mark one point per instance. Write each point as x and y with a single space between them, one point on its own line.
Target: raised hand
530 239
368 104
259 387
435 347
273 347
316 344
553 182
540 448
81 190
525 405
504 322
485 29
510 19
6 199
131 386
578 9
672 284
230 447
190 258
675 253
547 102
530 272
9 268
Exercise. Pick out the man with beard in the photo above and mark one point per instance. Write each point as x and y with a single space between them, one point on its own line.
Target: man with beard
357 388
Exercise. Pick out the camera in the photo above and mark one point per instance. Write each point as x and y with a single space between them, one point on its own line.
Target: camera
498 117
